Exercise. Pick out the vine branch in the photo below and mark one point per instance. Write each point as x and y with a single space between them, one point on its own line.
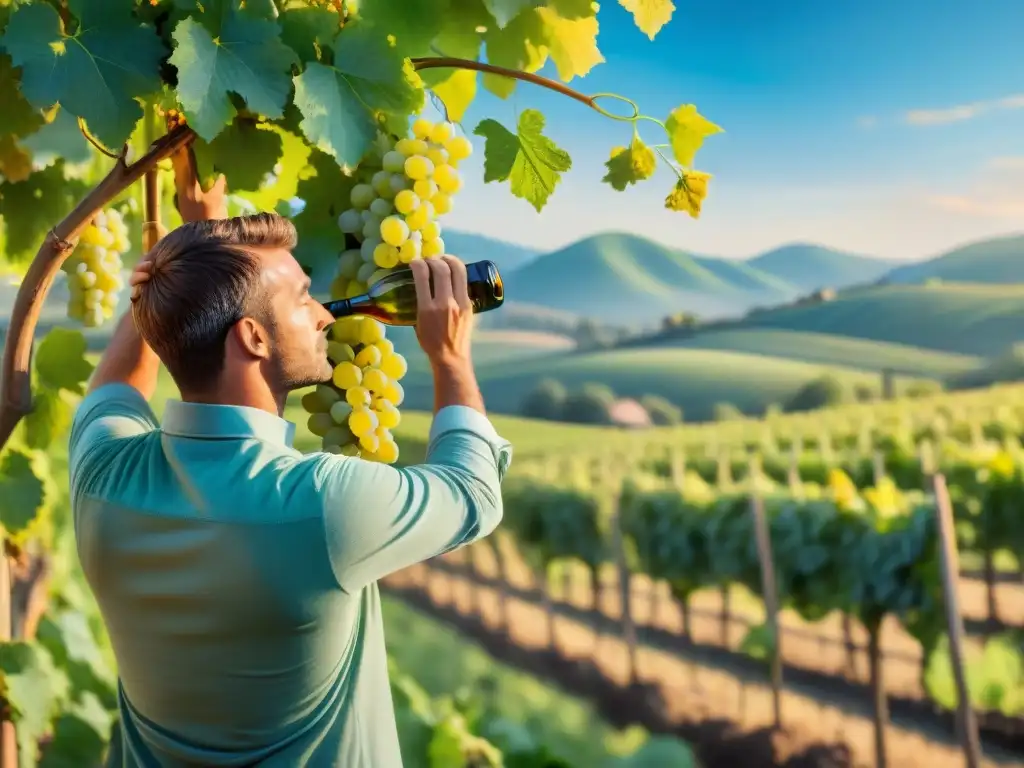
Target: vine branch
16 384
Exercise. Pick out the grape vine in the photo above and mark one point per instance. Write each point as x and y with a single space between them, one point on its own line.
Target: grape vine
289 99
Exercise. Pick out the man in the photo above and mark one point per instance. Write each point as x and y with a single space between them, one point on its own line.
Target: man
237 576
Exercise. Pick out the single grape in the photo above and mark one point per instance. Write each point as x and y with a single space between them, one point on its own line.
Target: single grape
459 148
328 395
347 375
447 178
348 263
340 352
407 147
362 195
368 246
347 329
425 189
319 423
312 404
387 451
350 221
357 396
432 249
431 230
340 412
394 230
384 256
442 203
365 271
395 366
372 227
442 132
388 414
410 250
418 167
369 442
399 182
421 128
363 421
394 161
406 201
419 217
371 331
368 356
382 207
386 346
374 379
438 156
394 393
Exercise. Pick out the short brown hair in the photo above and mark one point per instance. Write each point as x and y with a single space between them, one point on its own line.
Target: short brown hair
203 281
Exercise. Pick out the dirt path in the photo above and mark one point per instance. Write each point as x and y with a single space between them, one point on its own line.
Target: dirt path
724 714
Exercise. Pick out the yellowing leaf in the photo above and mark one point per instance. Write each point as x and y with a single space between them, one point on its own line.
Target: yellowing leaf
687 129
529 160
457 92
572 43
521 44
650 15
15 162
628 165
689 193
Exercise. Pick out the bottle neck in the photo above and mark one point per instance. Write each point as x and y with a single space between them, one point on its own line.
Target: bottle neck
350 306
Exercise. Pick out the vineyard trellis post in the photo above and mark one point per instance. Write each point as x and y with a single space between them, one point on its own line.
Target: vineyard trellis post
950 561
770 596
613 476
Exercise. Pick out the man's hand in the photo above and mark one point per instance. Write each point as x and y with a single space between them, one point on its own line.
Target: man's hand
193 203
444 326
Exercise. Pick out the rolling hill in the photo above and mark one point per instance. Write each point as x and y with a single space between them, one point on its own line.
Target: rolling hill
695 379
967 319
999 260
807 267
628 279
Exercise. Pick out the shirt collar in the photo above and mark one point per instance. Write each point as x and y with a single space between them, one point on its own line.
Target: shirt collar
207 421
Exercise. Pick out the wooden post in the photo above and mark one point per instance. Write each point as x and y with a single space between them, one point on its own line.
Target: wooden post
771 601
950 580
625 578
880 708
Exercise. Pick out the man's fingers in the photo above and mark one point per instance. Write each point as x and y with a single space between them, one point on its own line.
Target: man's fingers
442 281
421 277
460 281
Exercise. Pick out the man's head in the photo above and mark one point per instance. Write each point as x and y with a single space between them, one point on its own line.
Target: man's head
227 304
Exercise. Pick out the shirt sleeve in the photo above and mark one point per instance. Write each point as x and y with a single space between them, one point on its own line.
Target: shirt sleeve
108 413
379 518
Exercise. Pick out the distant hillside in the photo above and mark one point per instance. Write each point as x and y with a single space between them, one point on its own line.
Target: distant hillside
978 319
624 278
808 267
999 260
695 379
472 247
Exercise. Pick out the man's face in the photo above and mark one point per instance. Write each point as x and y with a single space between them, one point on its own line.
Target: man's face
300 322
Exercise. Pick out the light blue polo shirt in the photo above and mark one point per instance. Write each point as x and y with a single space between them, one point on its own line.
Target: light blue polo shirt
237 576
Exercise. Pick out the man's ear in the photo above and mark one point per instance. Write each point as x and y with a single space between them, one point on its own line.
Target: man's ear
252 337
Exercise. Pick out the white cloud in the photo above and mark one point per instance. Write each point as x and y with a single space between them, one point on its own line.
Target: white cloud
963 111
994 193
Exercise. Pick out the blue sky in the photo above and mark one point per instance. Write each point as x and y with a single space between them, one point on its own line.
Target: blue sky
887 128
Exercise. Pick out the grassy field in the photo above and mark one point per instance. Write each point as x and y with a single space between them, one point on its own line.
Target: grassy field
696 379
828 349
960 318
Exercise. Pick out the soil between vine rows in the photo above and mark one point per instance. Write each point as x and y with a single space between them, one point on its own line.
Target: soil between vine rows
724 715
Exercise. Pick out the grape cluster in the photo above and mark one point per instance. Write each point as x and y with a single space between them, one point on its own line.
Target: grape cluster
355 413
402 188
396 204
94 269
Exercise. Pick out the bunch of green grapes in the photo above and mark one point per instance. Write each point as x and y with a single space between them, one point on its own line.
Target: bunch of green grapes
356 412
404 187
94 269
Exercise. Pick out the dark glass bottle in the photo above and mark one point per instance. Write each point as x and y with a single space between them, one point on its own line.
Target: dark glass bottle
392 299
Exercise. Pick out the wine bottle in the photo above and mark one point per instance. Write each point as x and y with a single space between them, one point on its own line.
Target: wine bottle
392 299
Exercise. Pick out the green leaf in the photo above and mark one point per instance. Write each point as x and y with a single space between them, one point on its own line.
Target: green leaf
50 418
325 191
247 58
687 129
15 160
59 138
97 73
31 207
504 11
522 45
307 31
629 165
339 103
80 737
532 162
413 23
17 116
35 689
61 362
26 489
459 38
650 15
292 159
244 152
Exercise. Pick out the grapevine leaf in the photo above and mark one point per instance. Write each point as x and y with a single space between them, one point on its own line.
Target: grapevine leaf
61 362
247 58
34 689
628 165
689 193
24 491
458 38
531 161
307 31
650 15
325 192
572 43
30 207
49 419
687 129
15 162
413 23
97 73
339 102
504 11
244 152
573 9
293 158
59 138
522 45
17 116
457 92
80 735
